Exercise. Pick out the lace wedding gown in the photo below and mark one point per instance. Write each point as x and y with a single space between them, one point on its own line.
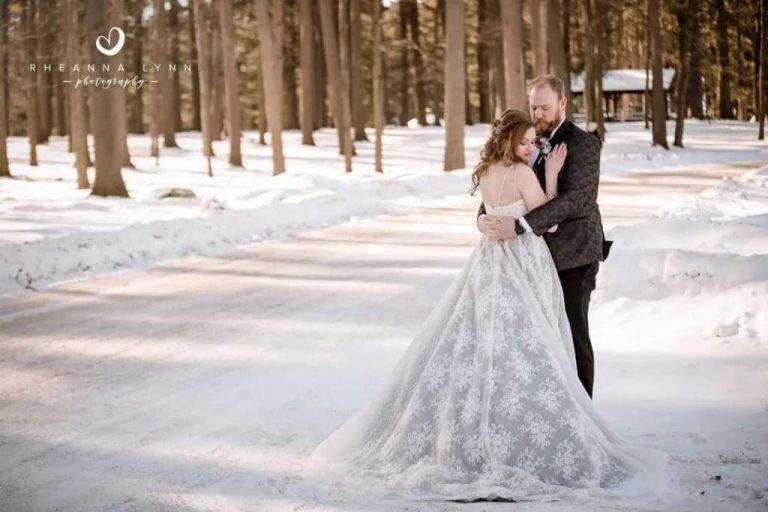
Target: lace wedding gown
486 402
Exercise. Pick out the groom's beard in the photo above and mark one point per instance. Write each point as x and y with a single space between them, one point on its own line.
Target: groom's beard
545 127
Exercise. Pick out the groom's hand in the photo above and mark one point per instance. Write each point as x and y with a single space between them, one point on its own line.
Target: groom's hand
497 228
487 224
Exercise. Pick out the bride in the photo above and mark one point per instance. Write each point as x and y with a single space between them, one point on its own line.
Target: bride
486 402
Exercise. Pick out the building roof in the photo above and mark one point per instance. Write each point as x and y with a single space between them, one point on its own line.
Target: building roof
623 80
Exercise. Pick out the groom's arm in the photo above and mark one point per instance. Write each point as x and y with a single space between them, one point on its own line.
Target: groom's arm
593 131
577 190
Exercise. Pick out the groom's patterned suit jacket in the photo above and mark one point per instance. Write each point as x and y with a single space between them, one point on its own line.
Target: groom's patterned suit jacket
579 238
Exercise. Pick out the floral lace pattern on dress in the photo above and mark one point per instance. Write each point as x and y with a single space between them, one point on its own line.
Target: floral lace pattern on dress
485 401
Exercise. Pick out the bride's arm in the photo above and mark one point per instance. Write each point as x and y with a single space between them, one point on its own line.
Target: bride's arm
550 179
552 168
529 188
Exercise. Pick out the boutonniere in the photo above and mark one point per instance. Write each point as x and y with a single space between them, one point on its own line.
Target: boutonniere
544 145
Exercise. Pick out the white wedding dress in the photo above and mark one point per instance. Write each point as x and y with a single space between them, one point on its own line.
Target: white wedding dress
486 402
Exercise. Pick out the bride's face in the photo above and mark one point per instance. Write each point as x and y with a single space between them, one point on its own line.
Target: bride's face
524 150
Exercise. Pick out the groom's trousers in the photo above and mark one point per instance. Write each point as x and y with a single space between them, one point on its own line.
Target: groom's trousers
578 284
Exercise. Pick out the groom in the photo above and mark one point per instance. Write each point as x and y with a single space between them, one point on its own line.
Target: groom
578 244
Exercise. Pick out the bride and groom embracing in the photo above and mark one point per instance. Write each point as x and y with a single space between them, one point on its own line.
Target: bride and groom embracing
492 399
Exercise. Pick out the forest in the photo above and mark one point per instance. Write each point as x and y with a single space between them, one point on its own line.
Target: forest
223 67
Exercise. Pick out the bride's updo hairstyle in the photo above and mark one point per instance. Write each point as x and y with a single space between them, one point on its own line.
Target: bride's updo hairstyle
506 133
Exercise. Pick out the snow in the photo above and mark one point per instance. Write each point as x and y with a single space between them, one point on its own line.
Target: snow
686 293
624 80
201 375
702 250
52 232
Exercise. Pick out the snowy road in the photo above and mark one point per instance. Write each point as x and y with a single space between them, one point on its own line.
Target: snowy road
201 384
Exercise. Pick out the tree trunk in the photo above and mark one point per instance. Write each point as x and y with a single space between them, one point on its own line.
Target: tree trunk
28 21
762 53
468 119
339 100
496 79
344 53
104 118
173 23
193 57
6 98
437 89
743 98
358 91
262 120
289 66
756 57
378 86
418 64
78 132
121 115
618 41
156 92
405 113
454 85
539 27
566 25
684 41
589 62
557 63
695 94
485 112
204 68
270 28
231 88
43 90
5 170
647 95
136 100
307 66
659 103
217 78
512 35
60 107
726 109
61 91
388 114
319 107
603 18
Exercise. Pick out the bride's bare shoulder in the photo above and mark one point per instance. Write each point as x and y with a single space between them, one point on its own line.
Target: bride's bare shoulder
524 171
492 171
497 170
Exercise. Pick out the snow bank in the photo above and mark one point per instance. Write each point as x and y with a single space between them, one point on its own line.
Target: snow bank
218 228
706 260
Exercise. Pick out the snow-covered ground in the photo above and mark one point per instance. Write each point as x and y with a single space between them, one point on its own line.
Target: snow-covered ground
203 383
680 320
50 231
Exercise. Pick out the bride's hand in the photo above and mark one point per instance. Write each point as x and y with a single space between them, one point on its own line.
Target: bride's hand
556 159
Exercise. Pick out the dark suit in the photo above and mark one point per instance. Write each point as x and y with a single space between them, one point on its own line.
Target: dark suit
579 244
